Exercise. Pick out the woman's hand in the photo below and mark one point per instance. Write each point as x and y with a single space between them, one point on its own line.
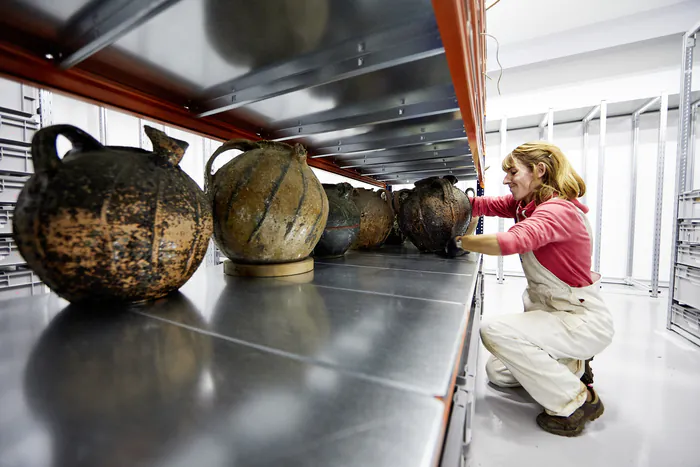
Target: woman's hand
485 244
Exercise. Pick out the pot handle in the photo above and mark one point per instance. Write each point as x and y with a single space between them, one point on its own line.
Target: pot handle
239 144
167 149
447 188
44 145
471 203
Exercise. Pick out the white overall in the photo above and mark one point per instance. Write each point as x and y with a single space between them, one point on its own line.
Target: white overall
544 348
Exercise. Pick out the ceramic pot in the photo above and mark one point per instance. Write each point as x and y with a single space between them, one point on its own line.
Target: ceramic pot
343 224
376 218
396 236
108 222
268 205
434 213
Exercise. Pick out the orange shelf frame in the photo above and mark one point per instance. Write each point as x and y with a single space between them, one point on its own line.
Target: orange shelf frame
462 25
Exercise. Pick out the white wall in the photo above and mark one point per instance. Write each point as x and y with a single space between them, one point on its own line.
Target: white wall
616 188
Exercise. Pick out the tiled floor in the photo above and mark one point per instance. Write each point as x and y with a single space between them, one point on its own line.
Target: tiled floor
649 380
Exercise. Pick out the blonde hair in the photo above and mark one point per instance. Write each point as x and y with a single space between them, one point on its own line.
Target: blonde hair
559 178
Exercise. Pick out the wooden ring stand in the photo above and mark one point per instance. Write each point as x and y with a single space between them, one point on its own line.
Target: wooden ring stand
269 270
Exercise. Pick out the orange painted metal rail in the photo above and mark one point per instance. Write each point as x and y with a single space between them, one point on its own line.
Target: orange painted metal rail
462 25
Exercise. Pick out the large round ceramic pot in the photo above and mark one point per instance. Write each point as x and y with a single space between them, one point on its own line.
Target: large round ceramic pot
376 218
268 205
434 213
109 222
343 224
396 236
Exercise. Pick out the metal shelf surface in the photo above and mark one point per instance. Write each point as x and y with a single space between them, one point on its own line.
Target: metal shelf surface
370 75
286 371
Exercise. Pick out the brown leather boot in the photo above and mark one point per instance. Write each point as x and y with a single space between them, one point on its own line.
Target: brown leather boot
573 424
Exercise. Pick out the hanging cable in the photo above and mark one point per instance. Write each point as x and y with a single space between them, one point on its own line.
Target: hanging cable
498 58
492 5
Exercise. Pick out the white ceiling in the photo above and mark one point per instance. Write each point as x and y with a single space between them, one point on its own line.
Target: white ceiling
520 20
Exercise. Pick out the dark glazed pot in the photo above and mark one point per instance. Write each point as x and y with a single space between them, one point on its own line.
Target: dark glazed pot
268 205
434 213
376 218
343 224
108 222
396 236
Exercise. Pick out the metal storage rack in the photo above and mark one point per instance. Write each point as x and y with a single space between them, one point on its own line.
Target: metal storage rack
684 294
385 92
602 112
19 120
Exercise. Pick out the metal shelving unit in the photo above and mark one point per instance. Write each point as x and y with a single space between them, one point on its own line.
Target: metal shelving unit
384 92
19 120
371 95
684 295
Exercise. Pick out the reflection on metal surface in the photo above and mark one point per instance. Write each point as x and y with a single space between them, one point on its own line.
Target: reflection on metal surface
109 383
434 101
406 43
427 156
454 148
120 388
410 136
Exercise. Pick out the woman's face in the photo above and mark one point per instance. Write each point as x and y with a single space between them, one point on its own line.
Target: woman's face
522 181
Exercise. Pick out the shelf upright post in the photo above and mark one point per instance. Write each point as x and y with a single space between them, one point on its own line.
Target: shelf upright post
660 162
684 123
584 161
501 222
601 178
633 188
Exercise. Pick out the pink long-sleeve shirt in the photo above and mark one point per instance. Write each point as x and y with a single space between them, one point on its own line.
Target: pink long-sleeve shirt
553 231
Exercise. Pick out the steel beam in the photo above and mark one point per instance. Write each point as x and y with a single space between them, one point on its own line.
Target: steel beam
584 156
433 101
465 158
646 106
601 179
658 208
400 137
500 277
421 151
543 123
633 186
684 124
633 198
417 175
443 156
100 26
409 178
412 41
423 168
592 114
